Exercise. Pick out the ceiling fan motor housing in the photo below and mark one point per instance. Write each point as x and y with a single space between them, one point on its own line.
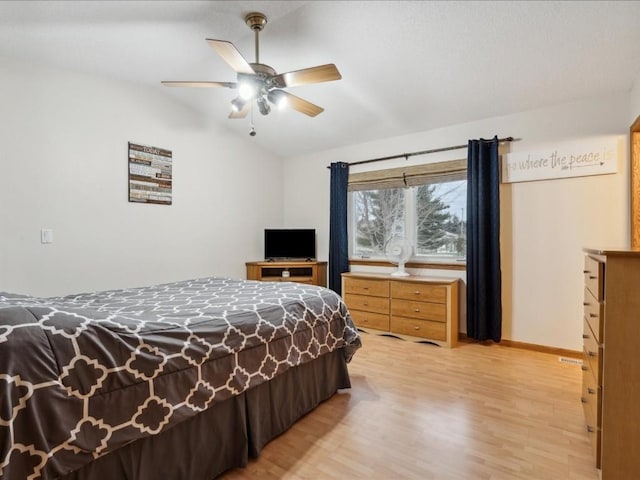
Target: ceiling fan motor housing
262 82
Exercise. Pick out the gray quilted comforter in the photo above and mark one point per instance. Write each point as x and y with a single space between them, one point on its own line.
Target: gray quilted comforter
85 374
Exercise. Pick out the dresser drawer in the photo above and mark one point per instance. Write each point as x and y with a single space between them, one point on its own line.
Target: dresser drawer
592 353
591 392
370 320
589 401
365 286
594 277
591 398
419 291
421 310
367 303
419 328
594 313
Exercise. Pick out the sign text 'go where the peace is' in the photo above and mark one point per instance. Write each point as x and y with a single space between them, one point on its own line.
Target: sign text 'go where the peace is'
590 156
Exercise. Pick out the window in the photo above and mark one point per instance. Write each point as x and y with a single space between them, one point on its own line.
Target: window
429 211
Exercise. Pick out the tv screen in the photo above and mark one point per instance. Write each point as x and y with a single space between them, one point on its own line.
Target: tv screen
299 244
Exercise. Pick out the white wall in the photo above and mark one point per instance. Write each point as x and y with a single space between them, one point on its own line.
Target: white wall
634 104
63 160
545 224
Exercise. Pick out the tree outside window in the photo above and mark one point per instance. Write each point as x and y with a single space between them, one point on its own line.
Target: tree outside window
378 215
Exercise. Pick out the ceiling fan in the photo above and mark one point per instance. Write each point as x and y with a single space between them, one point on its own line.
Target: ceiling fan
260 82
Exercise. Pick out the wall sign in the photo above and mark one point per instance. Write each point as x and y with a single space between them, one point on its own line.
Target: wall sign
150 174
579 158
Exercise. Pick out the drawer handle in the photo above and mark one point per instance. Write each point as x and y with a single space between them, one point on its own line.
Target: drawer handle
592 354
417 292
593 315
586 271
583 400
365 288
584 335
417 310
590 429
585 304
592 277
584 368
591 391
416 328
366 304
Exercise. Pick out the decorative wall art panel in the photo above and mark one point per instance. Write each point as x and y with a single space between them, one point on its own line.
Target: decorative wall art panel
578 158
150 174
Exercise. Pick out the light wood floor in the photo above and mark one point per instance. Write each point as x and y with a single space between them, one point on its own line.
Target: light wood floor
418 411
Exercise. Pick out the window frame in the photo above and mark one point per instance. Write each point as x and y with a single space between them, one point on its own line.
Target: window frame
434 173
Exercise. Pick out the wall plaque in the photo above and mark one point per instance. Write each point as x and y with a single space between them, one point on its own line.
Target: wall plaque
150 174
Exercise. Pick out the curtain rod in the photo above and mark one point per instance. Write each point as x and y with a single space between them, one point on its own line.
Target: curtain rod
423 152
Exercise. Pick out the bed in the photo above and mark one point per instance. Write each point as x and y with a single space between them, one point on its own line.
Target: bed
179 381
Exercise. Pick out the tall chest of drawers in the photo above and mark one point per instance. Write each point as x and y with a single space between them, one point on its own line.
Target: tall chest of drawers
611 364
415 308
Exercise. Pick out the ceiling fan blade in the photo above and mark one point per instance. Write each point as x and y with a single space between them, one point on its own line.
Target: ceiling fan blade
302 105
321 73
241 113
200 84
231 55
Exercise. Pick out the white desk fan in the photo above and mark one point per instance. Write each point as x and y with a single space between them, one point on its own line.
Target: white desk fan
398 250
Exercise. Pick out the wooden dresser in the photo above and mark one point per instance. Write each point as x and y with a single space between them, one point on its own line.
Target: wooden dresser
611 365
415 308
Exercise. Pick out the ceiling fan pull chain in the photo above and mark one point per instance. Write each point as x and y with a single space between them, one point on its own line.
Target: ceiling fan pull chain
252 130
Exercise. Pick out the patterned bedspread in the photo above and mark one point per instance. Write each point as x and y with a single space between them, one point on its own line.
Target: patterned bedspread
85 374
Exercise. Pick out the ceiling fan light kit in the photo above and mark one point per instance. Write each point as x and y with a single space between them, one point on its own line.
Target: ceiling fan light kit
263 106
261 83
278 98
237 104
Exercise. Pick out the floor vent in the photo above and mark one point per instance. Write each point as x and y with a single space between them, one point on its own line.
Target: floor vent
572 361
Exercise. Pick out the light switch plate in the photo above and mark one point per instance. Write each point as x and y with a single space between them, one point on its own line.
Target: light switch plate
46 235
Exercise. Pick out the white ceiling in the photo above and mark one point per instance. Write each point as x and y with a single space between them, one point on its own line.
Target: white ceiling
406 66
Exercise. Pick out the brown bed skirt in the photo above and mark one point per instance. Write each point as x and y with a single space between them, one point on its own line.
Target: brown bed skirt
228 434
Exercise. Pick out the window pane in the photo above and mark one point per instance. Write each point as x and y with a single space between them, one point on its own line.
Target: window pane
440 219
378 215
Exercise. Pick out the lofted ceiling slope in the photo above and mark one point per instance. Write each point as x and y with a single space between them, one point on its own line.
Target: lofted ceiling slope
406 66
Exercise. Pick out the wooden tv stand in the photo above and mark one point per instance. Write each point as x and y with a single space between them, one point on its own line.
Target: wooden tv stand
311 272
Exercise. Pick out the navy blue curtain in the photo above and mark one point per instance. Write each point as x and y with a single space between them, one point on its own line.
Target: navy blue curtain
484 280
338 240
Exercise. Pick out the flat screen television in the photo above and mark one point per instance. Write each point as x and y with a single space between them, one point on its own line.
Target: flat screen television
290 244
